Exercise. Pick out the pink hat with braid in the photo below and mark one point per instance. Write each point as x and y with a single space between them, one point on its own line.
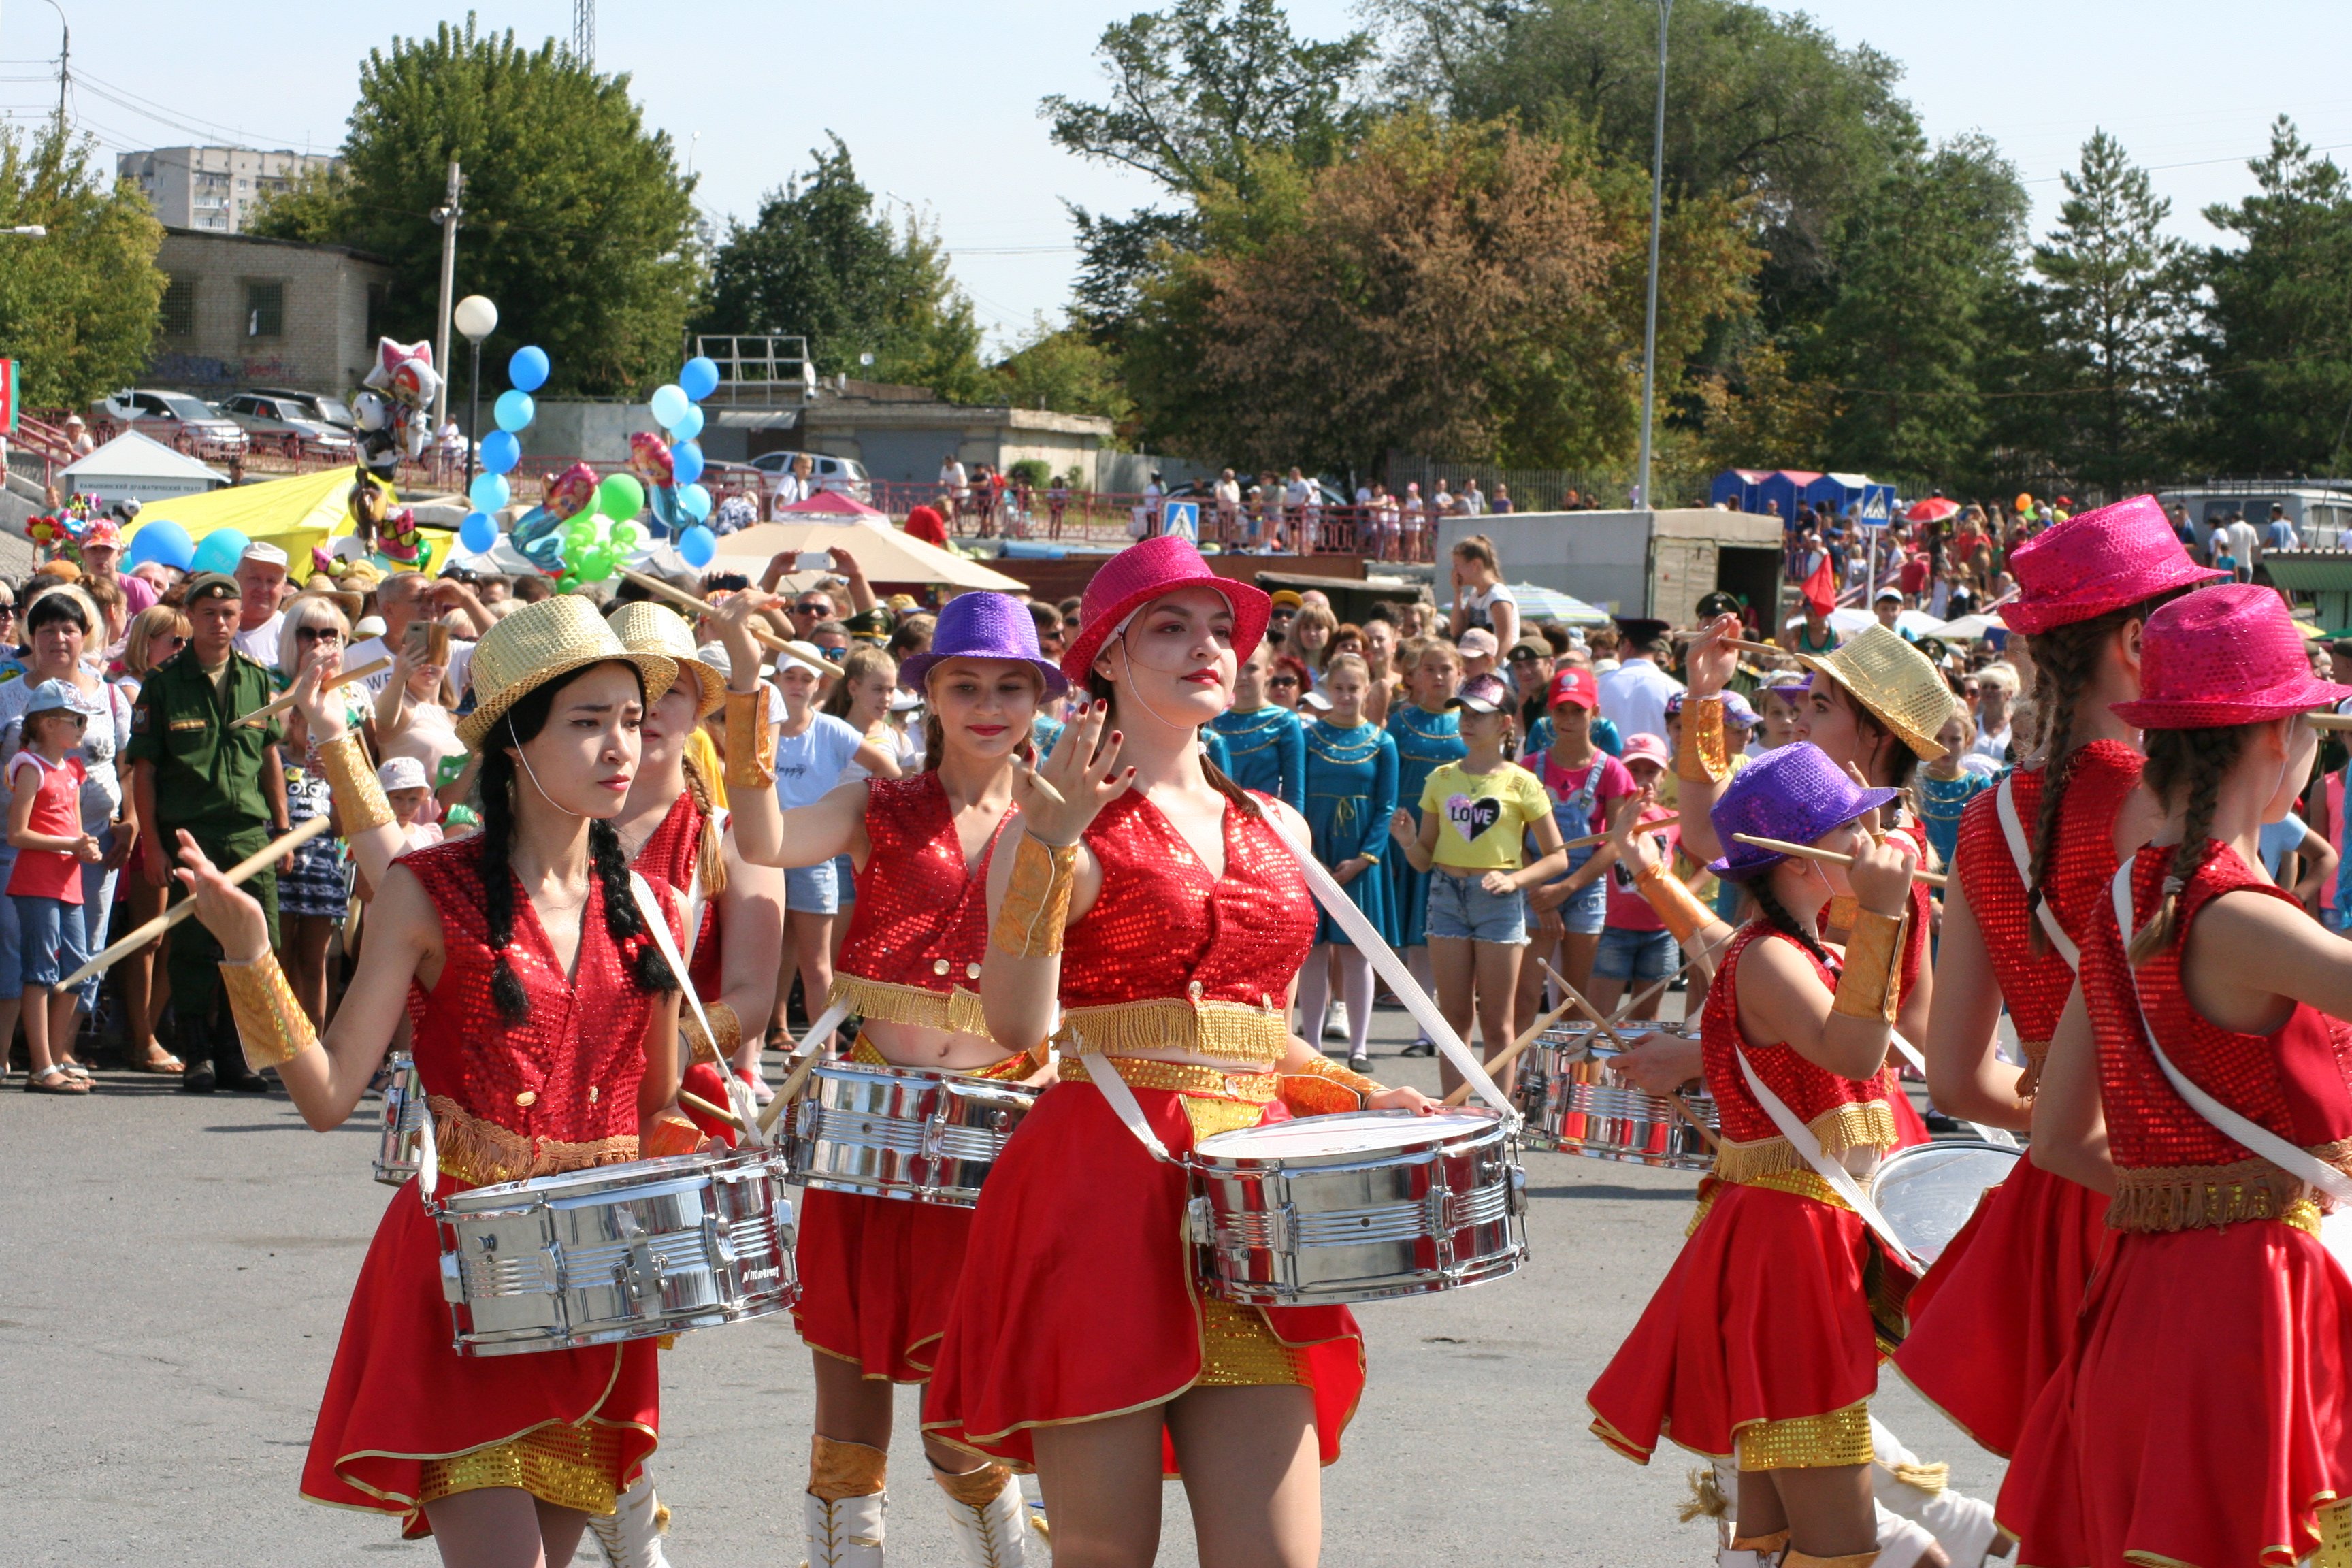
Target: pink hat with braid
2097 561
2226 656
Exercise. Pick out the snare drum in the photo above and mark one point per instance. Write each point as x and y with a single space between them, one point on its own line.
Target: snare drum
403 1121
902 1132
1542 1068
1928 1191
617 1252
1357 1206
1589 1110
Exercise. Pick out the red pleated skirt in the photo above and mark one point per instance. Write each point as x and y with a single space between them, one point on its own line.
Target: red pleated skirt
1078 1299
1991 1320
400 1395
2202 1414
877 1279
1765 1316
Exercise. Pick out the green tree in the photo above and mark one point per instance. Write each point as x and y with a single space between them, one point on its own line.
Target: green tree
2277 342
78 307
820 262
1064 370
2113 298
578 222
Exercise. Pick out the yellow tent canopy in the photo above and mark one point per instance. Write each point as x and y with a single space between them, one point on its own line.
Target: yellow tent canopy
294 514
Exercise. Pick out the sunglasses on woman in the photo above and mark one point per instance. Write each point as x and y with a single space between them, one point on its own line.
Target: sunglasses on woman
1284 680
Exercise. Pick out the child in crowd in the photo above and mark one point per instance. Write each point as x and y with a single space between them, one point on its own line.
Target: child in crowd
1947 785
1584 784
45 829
1352 770
404 790
1636 951
1474 814
1265 749
1427 735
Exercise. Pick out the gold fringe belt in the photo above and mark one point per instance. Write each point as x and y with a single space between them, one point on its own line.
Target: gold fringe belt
483 1154
2160 1198
1009 1070
1177 1024
954 1012
1856 1124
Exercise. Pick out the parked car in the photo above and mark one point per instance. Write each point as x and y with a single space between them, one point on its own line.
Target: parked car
178 419
288 424
844 475
325 409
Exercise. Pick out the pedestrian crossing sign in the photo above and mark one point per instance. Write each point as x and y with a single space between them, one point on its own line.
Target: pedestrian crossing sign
1182 519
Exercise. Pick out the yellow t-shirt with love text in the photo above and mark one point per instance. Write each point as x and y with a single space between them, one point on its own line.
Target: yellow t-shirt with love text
1482 818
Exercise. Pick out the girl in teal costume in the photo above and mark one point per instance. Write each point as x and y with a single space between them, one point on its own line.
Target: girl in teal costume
1427 737
1352 790
1265 746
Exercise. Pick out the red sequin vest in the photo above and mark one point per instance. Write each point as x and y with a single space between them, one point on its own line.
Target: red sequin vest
922 920
1844 1112
670 855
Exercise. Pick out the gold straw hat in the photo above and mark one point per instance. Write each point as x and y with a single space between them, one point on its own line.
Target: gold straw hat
1895 681
540 643
647 627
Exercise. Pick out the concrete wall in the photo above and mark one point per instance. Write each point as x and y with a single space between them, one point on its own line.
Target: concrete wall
321 345
569 428
1629 563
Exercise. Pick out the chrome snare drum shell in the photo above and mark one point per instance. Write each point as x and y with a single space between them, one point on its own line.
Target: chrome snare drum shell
1597 1113
403 1121
910 1133
1542 1069
1928 1191
1358 1206
617 1252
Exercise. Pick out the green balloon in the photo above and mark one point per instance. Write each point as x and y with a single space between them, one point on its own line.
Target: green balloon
620 496
565 584
629 536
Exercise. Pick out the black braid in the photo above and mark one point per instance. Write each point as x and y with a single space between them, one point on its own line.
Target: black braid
622 920
1775 914
2194 762
495 790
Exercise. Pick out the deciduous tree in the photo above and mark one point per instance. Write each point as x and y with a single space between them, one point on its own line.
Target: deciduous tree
79 306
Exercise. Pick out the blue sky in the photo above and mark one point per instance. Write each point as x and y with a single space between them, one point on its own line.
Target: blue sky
937 101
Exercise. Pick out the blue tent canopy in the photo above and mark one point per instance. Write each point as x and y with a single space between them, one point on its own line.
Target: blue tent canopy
1780 491
1872 503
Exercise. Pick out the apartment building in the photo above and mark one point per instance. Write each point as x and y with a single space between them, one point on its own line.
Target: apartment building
216 190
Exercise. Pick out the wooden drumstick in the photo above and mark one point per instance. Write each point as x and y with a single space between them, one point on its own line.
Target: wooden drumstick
1674 1101
694 606
1510 1053
1806 851
285 699
2329 720
267 854
791 1089
1590 838
1626 1010
687 1097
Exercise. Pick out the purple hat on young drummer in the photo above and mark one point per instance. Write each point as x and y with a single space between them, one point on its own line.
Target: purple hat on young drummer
1795 794
2097 561
984 626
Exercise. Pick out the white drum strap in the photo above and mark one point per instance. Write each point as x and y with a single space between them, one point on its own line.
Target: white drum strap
2004 803
1841 1179
428 1153
1104 1073
657 923
2336 1230
1373 946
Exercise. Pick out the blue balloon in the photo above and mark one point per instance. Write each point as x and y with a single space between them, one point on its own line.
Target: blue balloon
687 460
163 541
514 410
698 379
489 492
668 403
694 501
477 532
698 545
688 423
528 369
220 550
500 452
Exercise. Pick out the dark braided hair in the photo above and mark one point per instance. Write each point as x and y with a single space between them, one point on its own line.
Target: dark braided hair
1900 759
1758 889
2190 763
2065 663
495 790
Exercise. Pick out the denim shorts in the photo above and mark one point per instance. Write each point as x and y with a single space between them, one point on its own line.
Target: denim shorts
1636 957
1586 911
811 889
1460 908
49 932
844 881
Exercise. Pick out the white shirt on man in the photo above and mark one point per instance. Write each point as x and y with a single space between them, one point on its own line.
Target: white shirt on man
1633 697
260 644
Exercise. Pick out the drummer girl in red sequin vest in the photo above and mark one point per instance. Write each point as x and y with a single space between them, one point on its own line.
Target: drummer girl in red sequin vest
545 1031
1153 899
2203 1413
1995 1313
1764 1337
876 1275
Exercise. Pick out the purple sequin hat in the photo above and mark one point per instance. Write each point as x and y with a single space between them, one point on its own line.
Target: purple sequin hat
984 626
1795 794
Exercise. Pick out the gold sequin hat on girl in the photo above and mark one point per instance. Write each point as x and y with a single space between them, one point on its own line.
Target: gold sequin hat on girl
540 643
1895 681
647 627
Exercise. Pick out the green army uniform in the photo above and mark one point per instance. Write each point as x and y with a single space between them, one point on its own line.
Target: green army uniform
208 780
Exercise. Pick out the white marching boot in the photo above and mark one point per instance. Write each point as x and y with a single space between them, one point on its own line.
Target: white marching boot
844 1534
1962 1525
991 1521
632 1534
1901 1542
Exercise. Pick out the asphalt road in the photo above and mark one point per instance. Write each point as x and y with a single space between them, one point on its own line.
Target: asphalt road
177 1272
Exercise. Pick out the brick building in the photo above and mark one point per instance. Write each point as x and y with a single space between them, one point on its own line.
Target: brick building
241 311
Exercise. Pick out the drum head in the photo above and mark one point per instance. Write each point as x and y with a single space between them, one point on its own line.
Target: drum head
1349 1132
1927 1191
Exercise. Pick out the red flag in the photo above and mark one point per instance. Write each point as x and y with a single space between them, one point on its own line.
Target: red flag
1820 590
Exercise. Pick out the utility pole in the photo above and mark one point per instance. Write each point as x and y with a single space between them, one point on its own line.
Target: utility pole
65 70
1657 210
446 216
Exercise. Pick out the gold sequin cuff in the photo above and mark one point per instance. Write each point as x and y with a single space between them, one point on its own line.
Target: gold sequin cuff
1808 1442
839 1471
1703 757
270 1024
1036 899
725 1026
1870 986
1676 905
1322 1087
750 744
671 1135
359 798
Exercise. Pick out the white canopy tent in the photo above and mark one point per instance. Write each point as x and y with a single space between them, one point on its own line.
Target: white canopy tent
138 468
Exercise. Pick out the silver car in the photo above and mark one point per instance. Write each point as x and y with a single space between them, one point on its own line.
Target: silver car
286 424
178 419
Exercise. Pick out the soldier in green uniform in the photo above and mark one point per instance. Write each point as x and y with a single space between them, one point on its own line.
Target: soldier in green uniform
192 766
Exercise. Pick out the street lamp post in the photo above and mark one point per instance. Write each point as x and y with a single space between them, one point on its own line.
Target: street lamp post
477 319
1657 210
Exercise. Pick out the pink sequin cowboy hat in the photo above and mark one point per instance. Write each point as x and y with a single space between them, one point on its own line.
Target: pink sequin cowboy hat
2227 655
2096 562
1152 570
